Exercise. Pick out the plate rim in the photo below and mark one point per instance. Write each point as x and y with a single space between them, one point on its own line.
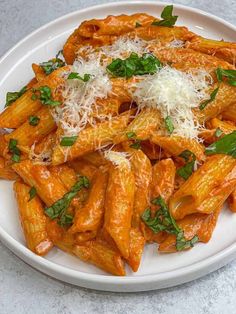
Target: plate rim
108 282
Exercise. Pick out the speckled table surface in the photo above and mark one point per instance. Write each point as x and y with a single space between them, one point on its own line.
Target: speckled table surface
24 290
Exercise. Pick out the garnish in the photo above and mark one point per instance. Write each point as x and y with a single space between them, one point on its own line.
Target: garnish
74 75
168 19
137 24
68 140
14 150
186 171
34 120
163 221
132 136
229 74
134 65
45 96
225 145
58 209
13 96
212 97
32 193
169 124
53 64
218 132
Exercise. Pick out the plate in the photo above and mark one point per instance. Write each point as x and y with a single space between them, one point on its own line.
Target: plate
157 270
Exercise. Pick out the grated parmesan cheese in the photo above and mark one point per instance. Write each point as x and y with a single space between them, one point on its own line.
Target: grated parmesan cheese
118 159
175 94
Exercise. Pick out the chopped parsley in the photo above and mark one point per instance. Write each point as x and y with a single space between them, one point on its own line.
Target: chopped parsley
132 136
168 19
134 65
212 97
169 124
12 146
45 96
186 171
13 96
53 64
68 140
137 24
74 75
34 120
230 76
218 132
32 193
163 221
59 208
225 145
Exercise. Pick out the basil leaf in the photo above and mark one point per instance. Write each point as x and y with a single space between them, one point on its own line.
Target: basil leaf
12 146
58 209
13 96
229 74
169 124
51 65
74 75
136 144
137 24
45 96
186 171
225 145
168 19
134 65
212 97
32 193
34 120
65 220
163 221
68 141
218 132
131 135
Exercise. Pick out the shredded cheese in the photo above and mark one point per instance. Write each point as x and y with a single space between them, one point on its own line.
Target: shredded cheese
118 159
175 94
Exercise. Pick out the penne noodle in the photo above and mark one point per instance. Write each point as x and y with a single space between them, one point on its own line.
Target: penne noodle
39 72
224 126
102 256
83 168
119 206
232 201
137 243
230 113
33 220
204 182
6 172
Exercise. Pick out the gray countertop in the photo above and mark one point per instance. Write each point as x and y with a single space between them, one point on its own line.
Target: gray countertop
25 290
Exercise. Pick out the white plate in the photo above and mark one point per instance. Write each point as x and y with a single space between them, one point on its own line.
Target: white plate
156 271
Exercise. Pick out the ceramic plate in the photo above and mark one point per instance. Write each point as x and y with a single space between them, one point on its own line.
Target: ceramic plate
156 271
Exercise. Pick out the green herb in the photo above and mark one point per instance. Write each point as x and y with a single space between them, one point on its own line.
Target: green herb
186 171
14 150
34 97
169 124
136 144
163 221
32 193
51 65
68 140
225 145
134 65
137 24
218 132
58 209
13 96
131 135
212 97
168 19
34 120
229 74
74 75
45 96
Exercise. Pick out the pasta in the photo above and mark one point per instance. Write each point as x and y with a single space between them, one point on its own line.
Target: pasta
129 140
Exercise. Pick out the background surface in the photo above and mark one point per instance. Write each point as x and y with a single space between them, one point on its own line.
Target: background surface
25 290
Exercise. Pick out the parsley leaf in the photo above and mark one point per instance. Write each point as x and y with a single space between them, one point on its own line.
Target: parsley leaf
53 64
13 96
45 96
34 120
137 24
32 193
225 145
229 74
134 65
212 97
68 140
163 221
12 146
74 75
169 124
168 19
131 135
186 171
137 143
58 209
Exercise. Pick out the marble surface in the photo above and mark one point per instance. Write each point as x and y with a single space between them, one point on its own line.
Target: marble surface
25 290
